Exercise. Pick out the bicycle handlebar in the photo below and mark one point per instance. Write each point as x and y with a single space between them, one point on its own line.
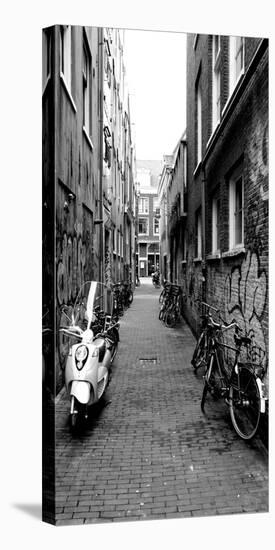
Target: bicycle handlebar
207 305
224 326
70 332
78 332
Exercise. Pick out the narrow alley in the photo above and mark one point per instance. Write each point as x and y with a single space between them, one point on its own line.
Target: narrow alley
148 452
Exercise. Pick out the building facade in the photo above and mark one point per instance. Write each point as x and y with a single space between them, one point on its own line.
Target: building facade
88 169
227 181
213 189
148 257
172 191
119 175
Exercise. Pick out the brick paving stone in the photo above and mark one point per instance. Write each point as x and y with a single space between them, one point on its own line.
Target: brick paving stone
152 454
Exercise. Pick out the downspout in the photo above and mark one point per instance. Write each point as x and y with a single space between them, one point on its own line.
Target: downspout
100 200
203 225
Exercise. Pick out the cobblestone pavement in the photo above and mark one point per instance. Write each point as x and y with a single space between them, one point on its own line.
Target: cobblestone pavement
151 453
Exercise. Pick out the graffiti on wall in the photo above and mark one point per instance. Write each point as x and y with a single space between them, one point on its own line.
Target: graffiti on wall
246 287
107 266
245 297
70 269
70 277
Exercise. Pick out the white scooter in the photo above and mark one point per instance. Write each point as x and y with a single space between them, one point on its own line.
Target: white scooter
87 370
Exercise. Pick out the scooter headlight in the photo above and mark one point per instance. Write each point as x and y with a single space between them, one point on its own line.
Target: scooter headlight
81 353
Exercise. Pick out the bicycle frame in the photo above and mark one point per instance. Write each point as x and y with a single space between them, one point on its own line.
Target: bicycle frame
242 388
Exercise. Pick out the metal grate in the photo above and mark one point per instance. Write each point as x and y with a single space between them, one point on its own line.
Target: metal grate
148 361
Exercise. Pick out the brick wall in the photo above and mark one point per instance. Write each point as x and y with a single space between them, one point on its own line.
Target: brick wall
237 284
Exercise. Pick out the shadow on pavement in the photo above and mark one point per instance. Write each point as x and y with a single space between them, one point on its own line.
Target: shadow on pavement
34 510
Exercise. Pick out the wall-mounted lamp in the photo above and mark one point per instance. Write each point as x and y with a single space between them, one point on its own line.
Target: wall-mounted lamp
71 197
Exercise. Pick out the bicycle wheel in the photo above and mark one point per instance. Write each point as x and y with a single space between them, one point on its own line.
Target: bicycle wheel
171 318
161 296
161 312
199 355
245 403
206 386
213 382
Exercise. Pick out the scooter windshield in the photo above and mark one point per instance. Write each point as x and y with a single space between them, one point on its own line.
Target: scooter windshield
92 296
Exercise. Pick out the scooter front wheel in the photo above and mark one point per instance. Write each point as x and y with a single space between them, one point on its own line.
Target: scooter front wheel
73 421
73 415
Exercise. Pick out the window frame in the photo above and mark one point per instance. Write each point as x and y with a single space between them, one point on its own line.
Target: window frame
47 58
155 220
233 182
155 204
66 55
216 82
216 225
198 132
140 211
114 240
234 52
147 224
65 61
198 241
184 245
87 97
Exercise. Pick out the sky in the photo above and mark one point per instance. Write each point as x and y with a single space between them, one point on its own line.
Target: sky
156 75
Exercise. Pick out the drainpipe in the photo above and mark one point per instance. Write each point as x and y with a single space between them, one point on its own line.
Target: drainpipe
101 96
203 224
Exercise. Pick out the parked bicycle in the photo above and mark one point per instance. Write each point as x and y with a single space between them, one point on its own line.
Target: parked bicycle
127 293
199 356
123 297
117 300
156 279
241 385
164 292
171 304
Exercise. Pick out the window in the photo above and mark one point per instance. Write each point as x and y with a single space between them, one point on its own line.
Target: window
143 205
155 203
215 225
216 81
236 60
198 123
184 244
156 226
121 245
198 243
114 240
66 55
118 242
107 146
195 41
87 97
143 226
236 210
46 63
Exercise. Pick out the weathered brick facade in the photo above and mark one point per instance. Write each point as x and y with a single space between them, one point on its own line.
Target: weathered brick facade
88 171
148 259
234 278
